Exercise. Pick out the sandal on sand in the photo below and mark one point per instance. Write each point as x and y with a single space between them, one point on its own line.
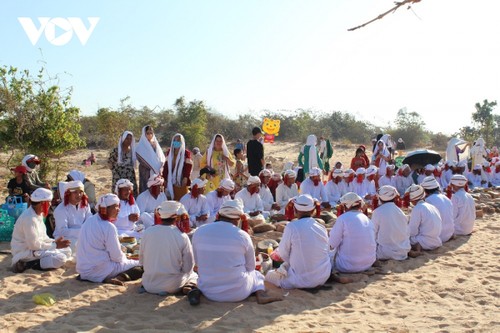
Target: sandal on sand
188 287
194 296
316 289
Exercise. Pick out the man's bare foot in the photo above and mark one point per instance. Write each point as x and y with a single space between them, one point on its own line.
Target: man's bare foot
340 279
264 298
116 281
414 254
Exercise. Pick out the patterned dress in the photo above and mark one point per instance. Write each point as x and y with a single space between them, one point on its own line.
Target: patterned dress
125 170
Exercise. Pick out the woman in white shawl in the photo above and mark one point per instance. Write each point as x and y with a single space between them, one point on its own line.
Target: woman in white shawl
122 160
381 156
150 157
309 155
478 152
177 169
218 157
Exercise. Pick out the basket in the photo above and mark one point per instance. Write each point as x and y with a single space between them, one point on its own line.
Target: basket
6 226
15 206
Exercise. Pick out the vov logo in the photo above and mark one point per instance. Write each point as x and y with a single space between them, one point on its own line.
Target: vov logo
66 27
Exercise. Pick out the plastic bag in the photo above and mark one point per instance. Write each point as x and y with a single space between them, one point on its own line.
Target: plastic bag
44 299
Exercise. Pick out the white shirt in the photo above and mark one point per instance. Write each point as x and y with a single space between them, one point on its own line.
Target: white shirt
464 212
123 224
214 203
385 180
365 188
304 246
495 178
317 192
167 257
475 180
445 208
345 187
147 203
353 239
69 219
251 202
391 232
333 191
284 194
402 183
29 235
225 257
195 208
425 226
267 197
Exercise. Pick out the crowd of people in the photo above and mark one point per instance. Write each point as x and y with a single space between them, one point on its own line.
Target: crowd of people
193 215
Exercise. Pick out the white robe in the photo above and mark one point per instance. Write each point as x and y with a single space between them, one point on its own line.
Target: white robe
385 180
98 254
304 246
391 232
317 192
30 242
147 205
333 191
284 194
267 198
69 220
495 178
214 203
353 239
402 183
464 212
425 226
445 208
167 258
225 257
365 188
251 202
123 225
345 187
475 180
195 208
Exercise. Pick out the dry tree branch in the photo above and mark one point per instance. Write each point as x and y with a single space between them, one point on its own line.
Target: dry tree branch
392 10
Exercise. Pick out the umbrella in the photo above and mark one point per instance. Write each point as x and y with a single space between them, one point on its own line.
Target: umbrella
422 157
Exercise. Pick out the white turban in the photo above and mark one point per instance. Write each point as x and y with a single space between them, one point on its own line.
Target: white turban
429 183
107 200
458 180
486 164
290 174
199 182
304 203
26 159
387 192
477 167
232 209
348 172
74 185
288 166
41 194
390 166
338 173
77 175
227 184
429 167
154 180
360 171
350 199
461 164
315 172
265 173
416 192
123 183
253 180
371 170
400 140
169 209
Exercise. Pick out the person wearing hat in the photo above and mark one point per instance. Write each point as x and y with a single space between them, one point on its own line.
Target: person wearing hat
196 157
391 226
252 203
196 203
304 250
309 156
72 212
346 185
255 153
88 187
474 177
225 257
434 196
464 208
217 197
30 245
388 178
166 254
19 186
362 186
425 222
30 162
265 192
333 187
149 200
400 145
403 179
287 190
353 237
99 257
428 171
129 211
313 186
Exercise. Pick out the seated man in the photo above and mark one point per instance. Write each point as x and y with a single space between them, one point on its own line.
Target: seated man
88 187
443 205
149 200
464 208
99 257
353 237
252 203
315 188
225 257
495 175
196 203
31 162
31 247
72 212
391 227
265 192
217 197
332 188
425 222
388 178
403 179
346 185
166 254
304 250
129 211
286 190
474 177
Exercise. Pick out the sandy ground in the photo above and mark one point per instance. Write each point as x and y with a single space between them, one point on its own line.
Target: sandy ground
452 289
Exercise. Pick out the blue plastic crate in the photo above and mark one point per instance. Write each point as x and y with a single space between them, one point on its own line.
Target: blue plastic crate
6 226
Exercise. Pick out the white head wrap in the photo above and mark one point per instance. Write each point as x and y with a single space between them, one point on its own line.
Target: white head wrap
477 167
311 142
360 171
132 147
288 166
74 185
225 152
429 183
384 151
108 199
155 179
77 175
175 171
429 167
290 174
458 180
169 209
348 172
41 194
253 180
199 182
304 203
227 184
152 157
315 172
265 173
371 170
387 192
390 166
123 183
25 160
337 173
416 192
232 209
350 199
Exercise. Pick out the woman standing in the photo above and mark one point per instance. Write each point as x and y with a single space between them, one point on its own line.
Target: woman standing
177 169
121 160
381 156
150 156
218 157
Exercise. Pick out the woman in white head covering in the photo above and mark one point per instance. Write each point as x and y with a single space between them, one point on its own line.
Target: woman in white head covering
122 160
381 156
478 152
218 157
177 169
150 157
309 156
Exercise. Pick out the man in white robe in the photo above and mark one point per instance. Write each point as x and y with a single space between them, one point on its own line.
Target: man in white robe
391 227
99 257
447 173
314 187
217 197
425 222
129 212
149 200
478 152
486 174
225 257
464 208
428 172
286 190
346 184
360 184
304 250
474 177
388 178
30 245
72 212
166 254
196 203
353 237
252 203
403 179
495 175
371 176
443 205
333 187
265 192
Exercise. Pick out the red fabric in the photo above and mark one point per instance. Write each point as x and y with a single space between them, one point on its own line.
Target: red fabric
289 211
244 223
273 185
359 162
186 169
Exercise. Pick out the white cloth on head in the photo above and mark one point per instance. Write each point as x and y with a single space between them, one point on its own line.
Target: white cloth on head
152 157
232 209
315 171
304 203
429 167
316 191
74 185
175 171
108 199
195 207
416 192
147 205
41 194
387 192
132 147
170 208
391 231
351 199
425 226
430 183
122 183
253 180
225 257
155 180
371 170
199 182
445 208
284 194
122 223
69 220
167 257
214 204
77 175
227 184
458 180
464 212
225 152
290 174
353 239
25 160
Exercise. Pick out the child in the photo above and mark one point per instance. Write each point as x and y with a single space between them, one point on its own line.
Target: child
208 173
18 186
239 177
